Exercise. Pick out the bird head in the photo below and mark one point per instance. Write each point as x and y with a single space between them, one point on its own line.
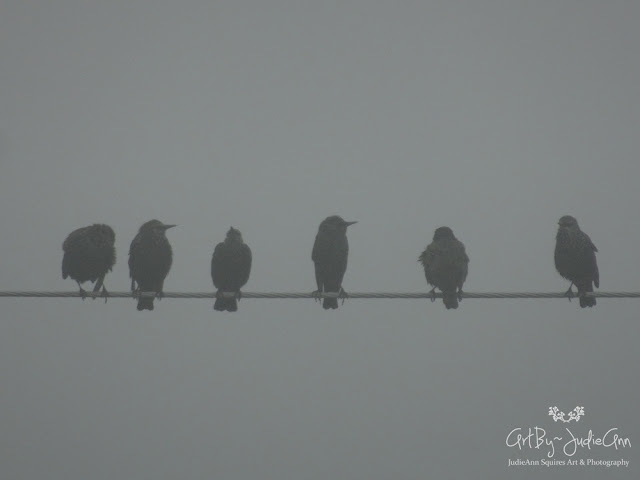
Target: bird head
105 231
335 223
234 235
443 232
567 221
155 226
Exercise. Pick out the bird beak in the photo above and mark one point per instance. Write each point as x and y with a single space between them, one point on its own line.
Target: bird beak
349 223
167 227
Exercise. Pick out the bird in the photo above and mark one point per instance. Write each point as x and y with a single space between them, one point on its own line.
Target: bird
575 259
446 265
230 269
329 255
150 259
89 253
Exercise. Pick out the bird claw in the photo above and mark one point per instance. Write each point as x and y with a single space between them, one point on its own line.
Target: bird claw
343 295
316 294
83 293
433 294
104 293
159 295
569 293
238 295
460 293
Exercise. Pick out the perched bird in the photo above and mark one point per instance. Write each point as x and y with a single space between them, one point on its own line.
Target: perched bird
150 258
230 268
446 265
575 259
89 253
330 252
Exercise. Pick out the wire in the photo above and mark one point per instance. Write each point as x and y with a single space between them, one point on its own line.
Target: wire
417 295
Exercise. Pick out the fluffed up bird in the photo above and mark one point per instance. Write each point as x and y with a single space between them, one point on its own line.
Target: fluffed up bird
329 255
575 259
230 269
446 265
89 253
150 258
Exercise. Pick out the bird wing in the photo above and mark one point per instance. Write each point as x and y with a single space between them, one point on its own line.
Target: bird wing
316 256
465 268
464 253
65 265
74 238
245 267
216 271
133 249
590 243
428 259
316 252
592 260
72 242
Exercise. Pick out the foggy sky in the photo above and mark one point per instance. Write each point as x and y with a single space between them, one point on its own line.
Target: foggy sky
492 117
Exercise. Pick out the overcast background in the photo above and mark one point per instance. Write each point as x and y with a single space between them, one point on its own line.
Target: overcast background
492 117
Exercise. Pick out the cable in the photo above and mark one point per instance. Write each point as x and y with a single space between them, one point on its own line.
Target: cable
289 295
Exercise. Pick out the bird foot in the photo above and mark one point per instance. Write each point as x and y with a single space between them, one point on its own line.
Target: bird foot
569 293
343 295
433 294
460 293
316 294
238 295
104 293
83 293
219 294
159 295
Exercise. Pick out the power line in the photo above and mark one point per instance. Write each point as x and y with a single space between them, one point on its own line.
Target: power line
292 295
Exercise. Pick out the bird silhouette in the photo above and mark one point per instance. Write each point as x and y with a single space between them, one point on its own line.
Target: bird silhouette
329 255
89 253
150 259
446 265
230 269
575 259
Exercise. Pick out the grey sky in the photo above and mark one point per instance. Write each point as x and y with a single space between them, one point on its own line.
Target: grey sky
492 117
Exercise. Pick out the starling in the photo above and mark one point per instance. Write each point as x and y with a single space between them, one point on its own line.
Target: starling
89 253
230 268
575 258
330 252
150 259
446 265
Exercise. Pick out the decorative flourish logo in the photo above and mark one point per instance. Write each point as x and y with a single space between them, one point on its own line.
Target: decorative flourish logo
574 414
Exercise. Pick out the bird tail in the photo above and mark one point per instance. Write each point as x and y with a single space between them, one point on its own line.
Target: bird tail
226 304
583 288
450 300
145 303
328 303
